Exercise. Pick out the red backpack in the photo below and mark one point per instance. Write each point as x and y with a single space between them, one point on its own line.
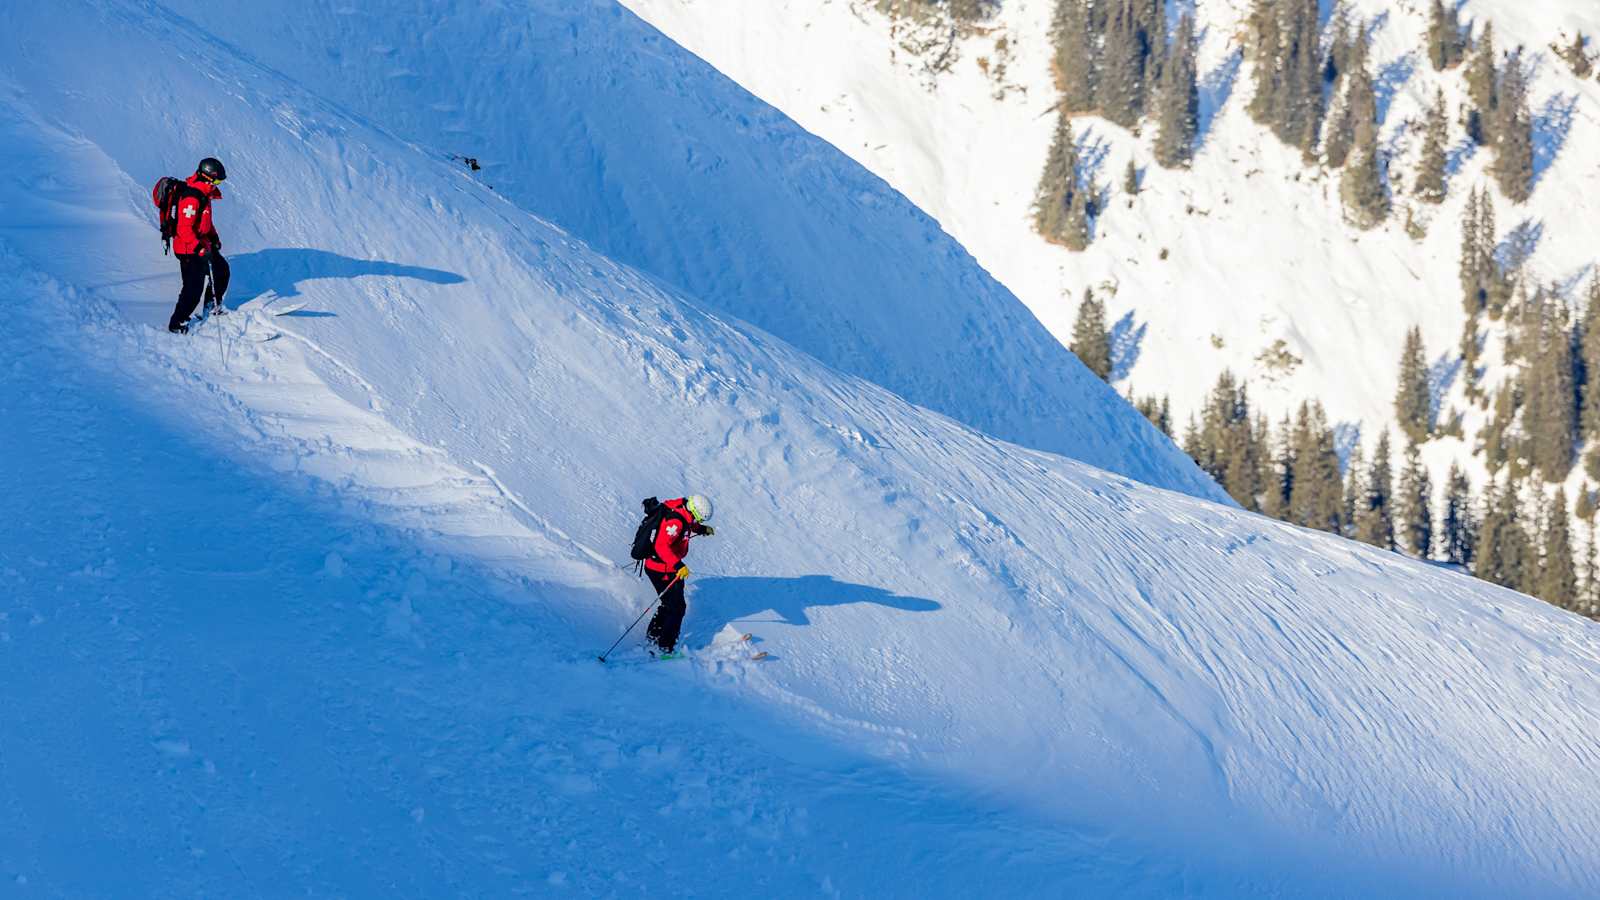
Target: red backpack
168 191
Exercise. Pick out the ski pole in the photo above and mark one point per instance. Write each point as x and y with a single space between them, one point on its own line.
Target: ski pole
211 289
647 609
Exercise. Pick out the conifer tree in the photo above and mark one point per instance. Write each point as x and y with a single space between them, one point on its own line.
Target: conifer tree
1470 349
1430 187
1550 418
1413 403
1445 45
1513 134
1359 103
1058 188
1474 293
1121 87
1315 483
1498 444
1266 52
1091 342
1341 42
1375 512
1460 523
1591 361
1361 186
1074 56
1304 111
1278 483
1414 506
1482 88
1503 548
1226 446
1075 231
1558 579
1355 491
1130 179
1589 599
1289 65
1178 101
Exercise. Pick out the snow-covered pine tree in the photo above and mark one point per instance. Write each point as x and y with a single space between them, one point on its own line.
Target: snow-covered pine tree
1550 414
1091 342
1358 104
1361 186
1178 100
1074 55
1414 506
1590 350
1075 232
1430 186
1460 522
1589 599
1471 349
1503 547
1375 510
1483 88
1446 48
1474 292
1558 579
1316 485
1265 51
1121 83
1413 404
1513 131
1355 489
1278 481
1058 185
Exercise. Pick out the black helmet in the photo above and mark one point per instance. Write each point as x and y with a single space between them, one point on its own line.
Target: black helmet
211 168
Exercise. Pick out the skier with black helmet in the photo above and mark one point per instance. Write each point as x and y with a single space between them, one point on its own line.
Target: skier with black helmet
197 246
681 519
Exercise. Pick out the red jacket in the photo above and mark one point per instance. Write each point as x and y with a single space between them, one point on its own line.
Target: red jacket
196 236
672 537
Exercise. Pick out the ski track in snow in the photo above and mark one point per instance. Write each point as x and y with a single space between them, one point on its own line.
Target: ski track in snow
317 615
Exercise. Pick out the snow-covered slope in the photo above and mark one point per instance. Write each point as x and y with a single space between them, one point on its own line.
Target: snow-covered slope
579 113
311 614
1210 268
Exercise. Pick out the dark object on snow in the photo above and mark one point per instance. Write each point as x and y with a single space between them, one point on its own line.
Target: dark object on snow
203 276
212 169
644 539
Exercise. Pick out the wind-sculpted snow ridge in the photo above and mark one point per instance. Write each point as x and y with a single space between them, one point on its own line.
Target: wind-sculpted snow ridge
586 116
313 614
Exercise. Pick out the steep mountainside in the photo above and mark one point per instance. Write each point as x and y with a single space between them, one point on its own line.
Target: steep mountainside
627 158
1244 262
308 603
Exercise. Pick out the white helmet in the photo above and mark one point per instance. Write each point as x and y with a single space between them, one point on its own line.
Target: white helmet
699 507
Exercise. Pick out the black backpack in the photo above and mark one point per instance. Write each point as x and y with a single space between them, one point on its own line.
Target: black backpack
644 540
166 195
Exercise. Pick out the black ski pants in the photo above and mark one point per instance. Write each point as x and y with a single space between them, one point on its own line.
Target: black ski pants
668 620
195 270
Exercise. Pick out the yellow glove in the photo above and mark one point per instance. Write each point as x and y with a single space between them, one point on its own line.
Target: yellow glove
683 573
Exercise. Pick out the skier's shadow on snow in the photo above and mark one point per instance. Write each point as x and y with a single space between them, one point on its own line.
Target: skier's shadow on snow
715 602
283 269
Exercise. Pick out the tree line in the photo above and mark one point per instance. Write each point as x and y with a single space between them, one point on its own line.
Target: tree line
1120 60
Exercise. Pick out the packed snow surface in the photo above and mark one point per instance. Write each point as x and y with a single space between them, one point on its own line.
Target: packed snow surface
308 604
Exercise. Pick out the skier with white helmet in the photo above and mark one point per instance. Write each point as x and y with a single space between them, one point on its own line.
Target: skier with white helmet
679 520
